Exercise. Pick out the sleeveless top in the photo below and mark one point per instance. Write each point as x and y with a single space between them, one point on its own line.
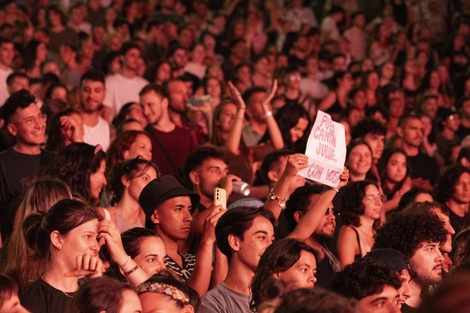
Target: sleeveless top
362 250
121 224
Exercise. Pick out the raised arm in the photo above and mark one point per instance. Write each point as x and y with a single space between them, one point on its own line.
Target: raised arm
327 103
316 210
276 201
201 276
233 141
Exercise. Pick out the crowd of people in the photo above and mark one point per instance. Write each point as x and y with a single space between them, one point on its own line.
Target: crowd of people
120 118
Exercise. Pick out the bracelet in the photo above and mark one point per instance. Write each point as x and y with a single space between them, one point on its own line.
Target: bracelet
135 268
268 114
127 261
280 201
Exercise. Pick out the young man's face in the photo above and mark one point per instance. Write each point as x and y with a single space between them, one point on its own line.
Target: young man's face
7 53
404 291
376 143
153 107
412 132
208 175
255 241
28 125
461 192
92 94
383 302
177 96
327 225
173 218
426 262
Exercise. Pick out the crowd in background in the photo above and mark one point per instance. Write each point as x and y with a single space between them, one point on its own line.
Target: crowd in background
120 118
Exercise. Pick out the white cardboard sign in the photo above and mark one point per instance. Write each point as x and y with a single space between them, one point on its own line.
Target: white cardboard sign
326 151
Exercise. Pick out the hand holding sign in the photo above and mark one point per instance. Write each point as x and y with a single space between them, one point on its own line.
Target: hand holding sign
326 150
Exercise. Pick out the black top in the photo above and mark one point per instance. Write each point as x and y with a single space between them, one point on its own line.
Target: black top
41 297
17 172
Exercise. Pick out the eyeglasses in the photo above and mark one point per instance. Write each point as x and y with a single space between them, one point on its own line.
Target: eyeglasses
33 120
380 197
295 77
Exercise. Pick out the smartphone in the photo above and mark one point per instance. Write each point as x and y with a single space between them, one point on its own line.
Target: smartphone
220 197
199 101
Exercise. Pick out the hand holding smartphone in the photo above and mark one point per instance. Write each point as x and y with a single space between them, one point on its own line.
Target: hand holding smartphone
220 197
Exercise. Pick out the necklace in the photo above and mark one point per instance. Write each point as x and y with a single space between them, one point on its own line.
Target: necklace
368 235
67 294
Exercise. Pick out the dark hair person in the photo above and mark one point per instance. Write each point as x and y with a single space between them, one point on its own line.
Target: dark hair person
105 294
127 181
82 167
39 198
289 260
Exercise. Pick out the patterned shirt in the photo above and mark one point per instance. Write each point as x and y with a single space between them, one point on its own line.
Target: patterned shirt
189 262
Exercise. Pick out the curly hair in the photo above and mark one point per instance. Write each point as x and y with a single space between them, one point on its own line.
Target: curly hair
447 181
407 233
382 169
55 136
364 278
74 165
352 206
278 257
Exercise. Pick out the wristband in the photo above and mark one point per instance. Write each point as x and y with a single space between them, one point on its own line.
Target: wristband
268 114
135 268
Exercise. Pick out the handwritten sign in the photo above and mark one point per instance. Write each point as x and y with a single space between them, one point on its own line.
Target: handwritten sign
326 151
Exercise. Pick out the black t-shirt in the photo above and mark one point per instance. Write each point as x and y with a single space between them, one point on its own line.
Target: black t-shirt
41 297
423 166
17 172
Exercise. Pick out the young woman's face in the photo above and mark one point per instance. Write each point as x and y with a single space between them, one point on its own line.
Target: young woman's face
227 117
213 88
79 241
298 130
141 146
150 258
396 168
434 80
360 160
427 125
301 274
373 81
97 181
164 73
372 202
137 184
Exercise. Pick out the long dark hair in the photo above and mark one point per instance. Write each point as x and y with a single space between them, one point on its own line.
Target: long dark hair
382 169
74 165
63 217
287 117
278 257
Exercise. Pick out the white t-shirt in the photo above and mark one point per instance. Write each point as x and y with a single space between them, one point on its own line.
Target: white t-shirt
98 134
121 90
3 85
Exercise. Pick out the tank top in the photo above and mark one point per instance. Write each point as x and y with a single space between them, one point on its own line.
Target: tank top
121 223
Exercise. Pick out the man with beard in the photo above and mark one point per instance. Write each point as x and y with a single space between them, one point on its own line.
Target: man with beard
296 207
453 190
424 169
418 237
92 93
